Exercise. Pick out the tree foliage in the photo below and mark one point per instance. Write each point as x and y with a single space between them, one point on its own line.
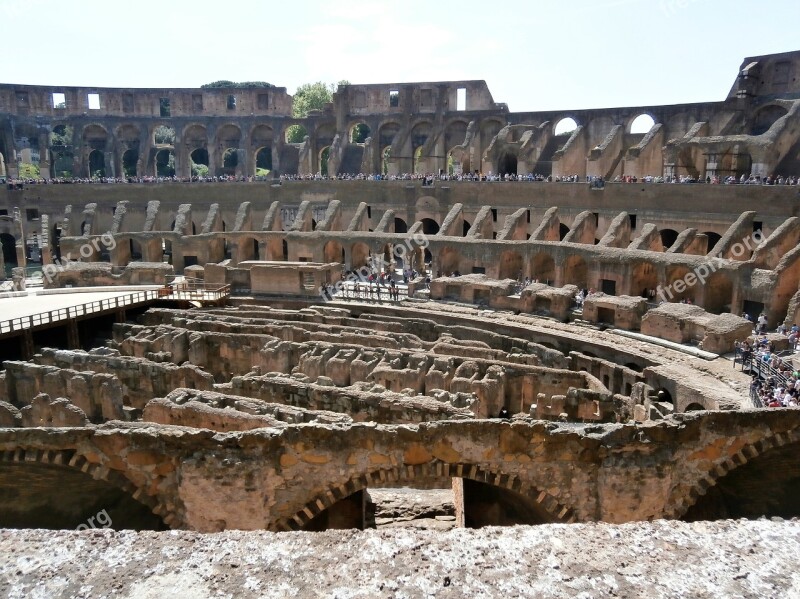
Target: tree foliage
313 96
224 83
309 96
61 136
28 170
164 135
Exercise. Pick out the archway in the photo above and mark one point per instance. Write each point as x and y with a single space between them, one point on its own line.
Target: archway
642 124
674 292
448 261
507 165
543 268
505 501
510 265
333 252
295 134
324 154
400 225
165 163
135 250
263 161
644 278
200 164
129 161
359 133
38 495
9 252
766 117
565 126
563 230
97 164
713 239
718 293
576 272
767 485
429 226
668 237
359 255
230 160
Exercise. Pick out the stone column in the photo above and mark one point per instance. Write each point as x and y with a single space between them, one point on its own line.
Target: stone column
44 156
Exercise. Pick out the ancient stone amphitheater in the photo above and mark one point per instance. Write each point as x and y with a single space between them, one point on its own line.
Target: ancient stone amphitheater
260 387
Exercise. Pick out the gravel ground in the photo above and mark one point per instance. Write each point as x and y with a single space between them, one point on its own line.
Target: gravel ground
653 560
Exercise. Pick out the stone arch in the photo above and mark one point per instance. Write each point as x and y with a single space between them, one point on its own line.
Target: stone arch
507 164
387 132
713 239
683 504
400 225
70 459
644 276
448 260
429 226
668 237
359 254
199 156
576 271
228 136
129 162
195 136
322 160
543 268
564 126
333 252
247 249
455 134
230 161
95 136
262 159
261 141
718 293
9 251
96 163
165 162
434 470
128 150
358 132
489 129
510 266
562 231
641 123
670 293
765 117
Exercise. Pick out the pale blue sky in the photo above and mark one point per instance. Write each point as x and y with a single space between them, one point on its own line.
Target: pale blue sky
534 55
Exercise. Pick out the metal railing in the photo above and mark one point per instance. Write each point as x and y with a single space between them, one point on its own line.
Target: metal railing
761 372
194 289
62 314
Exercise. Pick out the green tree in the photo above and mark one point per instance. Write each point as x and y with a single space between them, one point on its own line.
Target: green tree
61 136
28 170
164 135
224 83
309 96
199 170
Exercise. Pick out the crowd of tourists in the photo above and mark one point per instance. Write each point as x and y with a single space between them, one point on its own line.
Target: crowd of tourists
127 180
424 178
776 383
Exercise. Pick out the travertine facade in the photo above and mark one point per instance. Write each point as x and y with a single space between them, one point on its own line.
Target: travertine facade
412 127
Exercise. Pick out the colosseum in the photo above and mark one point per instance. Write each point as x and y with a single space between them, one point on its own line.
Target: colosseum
490 318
